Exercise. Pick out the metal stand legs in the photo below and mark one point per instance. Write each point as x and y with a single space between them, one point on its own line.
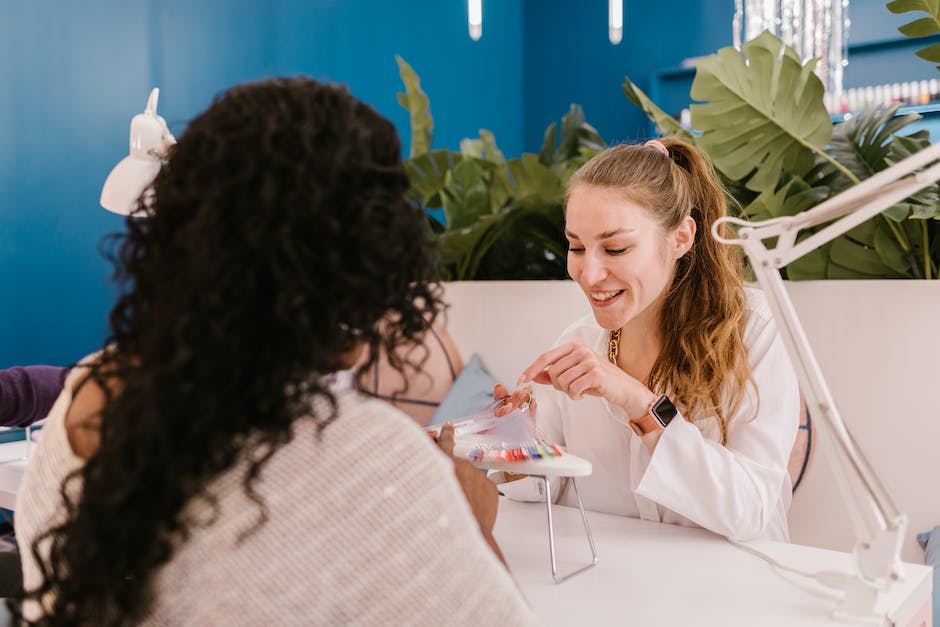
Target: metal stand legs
551 531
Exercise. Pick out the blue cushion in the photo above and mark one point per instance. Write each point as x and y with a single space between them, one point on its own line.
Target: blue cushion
930 542
471 392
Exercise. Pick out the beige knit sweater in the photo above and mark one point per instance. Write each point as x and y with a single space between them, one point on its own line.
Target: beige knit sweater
366 527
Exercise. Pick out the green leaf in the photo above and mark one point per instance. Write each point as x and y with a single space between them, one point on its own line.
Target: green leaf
419 108
903 6
465 195
925 204
763 117
547 153
490 151
523 240
428 175
855 255
792 198
920 28
527 177
888 250
813 265
930 53
667 124
862 143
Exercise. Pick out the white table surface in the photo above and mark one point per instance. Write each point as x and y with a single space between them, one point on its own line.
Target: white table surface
12 464
653 574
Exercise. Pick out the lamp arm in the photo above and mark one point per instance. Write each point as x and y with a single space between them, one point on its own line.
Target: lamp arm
854 205
878 522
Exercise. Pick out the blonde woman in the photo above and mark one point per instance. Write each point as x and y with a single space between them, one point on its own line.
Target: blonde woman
677 388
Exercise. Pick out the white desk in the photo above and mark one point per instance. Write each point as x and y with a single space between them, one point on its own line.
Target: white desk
655 574
651 574
11 472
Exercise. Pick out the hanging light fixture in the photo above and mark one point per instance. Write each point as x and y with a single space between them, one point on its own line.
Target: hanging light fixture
475 18
814 28
615 21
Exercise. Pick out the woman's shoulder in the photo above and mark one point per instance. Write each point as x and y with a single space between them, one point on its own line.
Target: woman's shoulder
757 310
364 425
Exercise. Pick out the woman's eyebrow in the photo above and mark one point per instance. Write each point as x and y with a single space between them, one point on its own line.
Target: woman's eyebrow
605 234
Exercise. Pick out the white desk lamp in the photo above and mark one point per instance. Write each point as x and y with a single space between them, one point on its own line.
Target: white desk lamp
150 139
878 523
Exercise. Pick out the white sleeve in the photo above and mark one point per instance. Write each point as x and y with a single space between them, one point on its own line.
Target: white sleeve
733 490
444 571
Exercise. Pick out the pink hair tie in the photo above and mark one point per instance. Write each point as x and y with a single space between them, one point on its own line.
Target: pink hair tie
658 145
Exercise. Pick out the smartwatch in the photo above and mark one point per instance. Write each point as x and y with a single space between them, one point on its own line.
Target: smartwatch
660 414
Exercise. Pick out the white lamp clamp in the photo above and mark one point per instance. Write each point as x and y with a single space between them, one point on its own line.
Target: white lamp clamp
878 523
149 141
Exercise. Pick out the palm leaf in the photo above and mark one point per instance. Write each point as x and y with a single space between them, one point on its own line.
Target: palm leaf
862 142
667 124
763 118
419 108
921 27
925 204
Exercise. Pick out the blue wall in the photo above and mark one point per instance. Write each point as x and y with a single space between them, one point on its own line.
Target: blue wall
569 58
73 74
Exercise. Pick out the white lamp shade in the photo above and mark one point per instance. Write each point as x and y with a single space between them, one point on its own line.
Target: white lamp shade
127 181
149 141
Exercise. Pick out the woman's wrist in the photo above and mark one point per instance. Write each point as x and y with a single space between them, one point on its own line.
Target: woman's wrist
638 405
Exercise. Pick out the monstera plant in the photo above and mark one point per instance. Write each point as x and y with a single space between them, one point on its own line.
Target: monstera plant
502 218
760 116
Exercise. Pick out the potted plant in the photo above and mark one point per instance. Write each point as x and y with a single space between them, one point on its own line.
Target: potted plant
502 218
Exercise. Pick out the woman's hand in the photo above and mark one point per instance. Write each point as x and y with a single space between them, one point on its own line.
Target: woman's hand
479 491
576 370
513 401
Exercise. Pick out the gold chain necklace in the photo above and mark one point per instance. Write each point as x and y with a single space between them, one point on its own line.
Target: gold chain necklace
613 345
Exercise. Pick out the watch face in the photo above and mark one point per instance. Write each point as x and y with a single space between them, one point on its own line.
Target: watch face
664 410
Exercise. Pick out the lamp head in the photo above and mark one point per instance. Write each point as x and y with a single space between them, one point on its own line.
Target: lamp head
149 141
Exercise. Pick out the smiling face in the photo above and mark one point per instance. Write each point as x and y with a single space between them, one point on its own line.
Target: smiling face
620 255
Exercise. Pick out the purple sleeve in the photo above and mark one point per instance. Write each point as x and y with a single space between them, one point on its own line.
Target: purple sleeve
27 393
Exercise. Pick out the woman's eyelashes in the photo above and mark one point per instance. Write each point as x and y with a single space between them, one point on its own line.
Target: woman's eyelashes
578 250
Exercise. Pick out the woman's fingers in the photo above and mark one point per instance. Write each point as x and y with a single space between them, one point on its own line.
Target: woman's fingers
576 379
517 399
543 361
566 363
445 440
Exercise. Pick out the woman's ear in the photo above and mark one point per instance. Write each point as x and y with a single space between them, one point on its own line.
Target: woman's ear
684 236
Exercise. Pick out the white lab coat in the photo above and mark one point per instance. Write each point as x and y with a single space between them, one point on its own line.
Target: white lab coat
740 490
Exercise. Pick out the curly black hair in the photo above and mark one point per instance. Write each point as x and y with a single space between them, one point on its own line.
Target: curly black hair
277 237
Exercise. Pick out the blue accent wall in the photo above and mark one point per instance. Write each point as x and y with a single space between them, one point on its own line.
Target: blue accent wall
73 75
569 57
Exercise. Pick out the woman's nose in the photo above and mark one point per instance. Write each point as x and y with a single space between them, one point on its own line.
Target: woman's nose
593 270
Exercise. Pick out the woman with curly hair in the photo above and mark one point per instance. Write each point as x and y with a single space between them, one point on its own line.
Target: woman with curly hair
214 463
678 387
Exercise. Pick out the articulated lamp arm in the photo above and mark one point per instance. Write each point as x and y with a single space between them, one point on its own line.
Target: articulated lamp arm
879 524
